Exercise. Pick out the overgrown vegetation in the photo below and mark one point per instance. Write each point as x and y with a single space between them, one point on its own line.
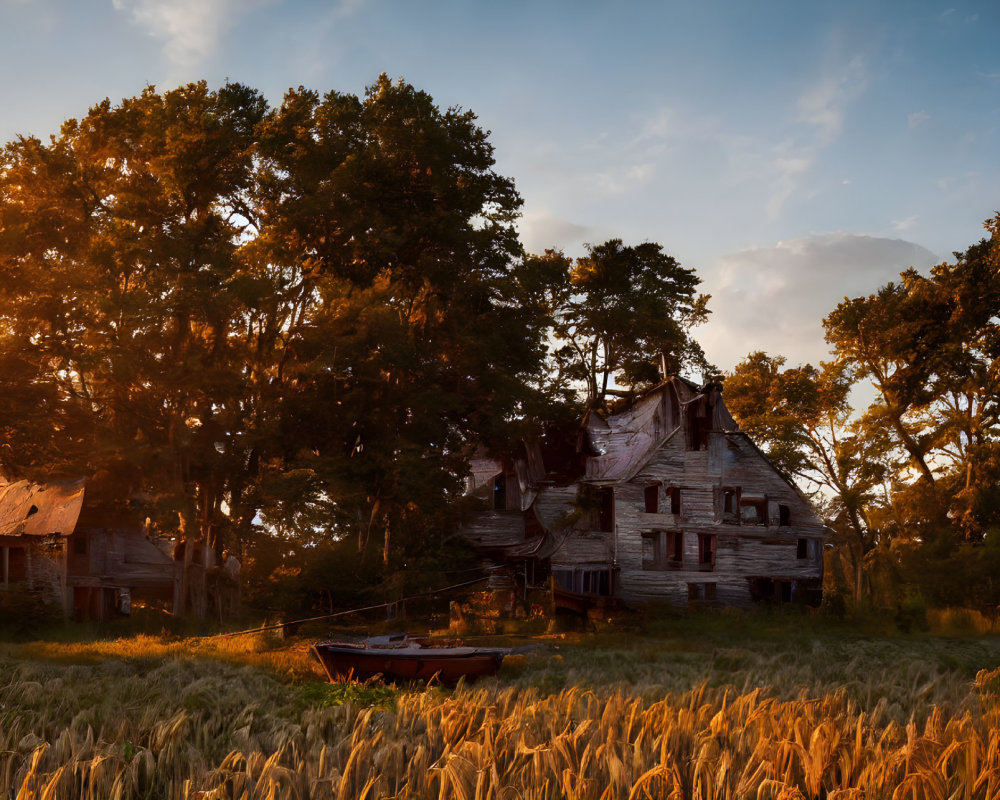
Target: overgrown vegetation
706 705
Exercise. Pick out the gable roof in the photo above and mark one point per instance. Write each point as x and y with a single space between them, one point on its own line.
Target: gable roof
627 440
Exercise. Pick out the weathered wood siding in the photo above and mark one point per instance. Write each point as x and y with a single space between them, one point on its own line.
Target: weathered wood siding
119 557
742 551
777 545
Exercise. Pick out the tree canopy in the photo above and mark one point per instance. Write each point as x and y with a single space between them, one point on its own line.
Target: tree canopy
232 310
618 314
910 483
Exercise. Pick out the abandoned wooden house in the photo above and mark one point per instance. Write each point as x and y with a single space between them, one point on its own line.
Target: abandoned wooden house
666 499
91 561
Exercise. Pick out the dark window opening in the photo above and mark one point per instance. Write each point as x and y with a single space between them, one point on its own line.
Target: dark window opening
701 592
675 549
706 551
17 564
80 545
698 426
650 546
606 515
784 516
583 581
500 493
731 506
651 496
802 551
674 493
662 550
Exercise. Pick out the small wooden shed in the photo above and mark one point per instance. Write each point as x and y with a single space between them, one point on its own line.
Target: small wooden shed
92 561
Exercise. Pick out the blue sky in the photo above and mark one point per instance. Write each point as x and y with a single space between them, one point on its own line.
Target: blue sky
791 152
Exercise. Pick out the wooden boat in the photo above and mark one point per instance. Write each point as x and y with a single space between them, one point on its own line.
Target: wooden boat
403 658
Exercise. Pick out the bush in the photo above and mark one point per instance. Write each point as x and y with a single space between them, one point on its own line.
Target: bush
24 614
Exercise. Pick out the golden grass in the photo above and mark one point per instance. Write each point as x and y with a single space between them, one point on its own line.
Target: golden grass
141 718
229 719
290 660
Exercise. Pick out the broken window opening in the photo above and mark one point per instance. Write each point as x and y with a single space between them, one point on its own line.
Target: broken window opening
706 552
753 512
674 495
802 550
651 498
583 581
500 493
731 505
784 516
698 426
701 592
662 550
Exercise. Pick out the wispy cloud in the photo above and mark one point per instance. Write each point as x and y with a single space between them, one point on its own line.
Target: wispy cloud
900 225
824 104
621 181
917 118
189 29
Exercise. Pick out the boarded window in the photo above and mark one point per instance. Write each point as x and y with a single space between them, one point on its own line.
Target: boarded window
706 551
784 516
651 497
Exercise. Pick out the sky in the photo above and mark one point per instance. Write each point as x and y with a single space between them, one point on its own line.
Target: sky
791 153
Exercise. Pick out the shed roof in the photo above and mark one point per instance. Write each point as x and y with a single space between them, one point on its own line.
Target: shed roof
30 509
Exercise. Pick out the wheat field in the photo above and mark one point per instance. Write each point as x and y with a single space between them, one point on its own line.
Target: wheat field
127 720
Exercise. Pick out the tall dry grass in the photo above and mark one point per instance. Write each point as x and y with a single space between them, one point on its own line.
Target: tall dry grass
183 728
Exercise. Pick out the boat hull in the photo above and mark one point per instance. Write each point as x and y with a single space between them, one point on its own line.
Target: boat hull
344 661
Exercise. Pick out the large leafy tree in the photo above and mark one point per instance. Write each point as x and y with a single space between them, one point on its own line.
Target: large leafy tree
120 256
618 314
392 211
930 344
235 311
801 418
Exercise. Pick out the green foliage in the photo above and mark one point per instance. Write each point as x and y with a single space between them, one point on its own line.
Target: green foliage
615 313
245 315
330 695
